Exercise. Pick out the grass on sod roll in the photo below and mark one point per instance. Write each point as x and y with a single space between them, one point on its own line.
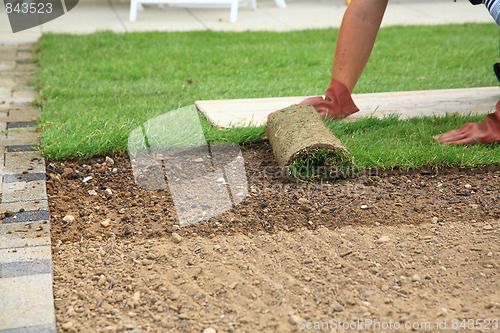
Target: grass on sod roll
95 89
319 163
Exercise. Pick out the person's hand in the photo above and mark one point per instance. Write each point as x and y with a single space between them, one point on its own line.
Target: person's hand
469 134
338 103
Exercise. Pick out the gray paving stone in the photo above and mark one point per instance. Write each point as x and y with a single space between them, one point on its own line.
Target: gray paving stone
28 216
19 114
23 95
25 205
22 137
5 91
23 268
23 177
21 124
5 106
31 329
24 79
26 110
25 254
23 191
16 148
26 68
9 52
24 55
17 162
20 235
30 301
7 65
7 81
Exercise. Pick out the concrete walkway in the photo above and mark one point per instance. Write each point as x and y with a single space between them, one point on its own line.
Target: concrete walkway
97 15
26 301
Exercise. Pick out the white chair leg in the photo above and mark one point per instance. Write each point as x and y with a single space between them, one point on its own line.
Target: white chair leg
234 11
253 4
280 3
133 10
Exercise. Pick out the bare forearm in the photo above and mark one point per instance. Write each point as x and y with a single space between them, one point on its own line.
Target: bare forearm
355 42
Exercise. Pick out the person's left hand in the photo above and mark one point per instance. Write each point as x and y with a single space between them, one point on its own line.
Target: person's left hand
485 132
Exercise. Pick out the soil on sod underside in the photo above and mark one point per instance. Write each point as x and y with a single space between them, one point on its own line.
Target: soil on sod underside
273 203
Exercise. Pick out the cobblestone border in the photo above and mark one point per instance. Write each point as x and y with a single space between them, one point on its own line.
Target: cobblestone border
26 296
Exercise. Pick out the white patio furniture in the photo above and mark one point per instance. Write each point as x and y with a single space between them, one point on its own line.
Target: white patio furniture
233 4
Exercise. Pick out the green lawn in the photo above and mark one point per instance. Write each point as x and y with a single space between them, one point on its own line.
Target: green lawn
95 89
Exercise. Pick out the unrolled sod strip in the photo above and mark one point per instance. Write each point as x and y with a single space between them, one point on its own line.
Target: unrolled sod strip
303 146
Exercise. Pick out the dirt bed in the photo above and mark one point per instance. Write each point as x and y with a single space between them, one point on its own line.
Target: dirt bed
399 250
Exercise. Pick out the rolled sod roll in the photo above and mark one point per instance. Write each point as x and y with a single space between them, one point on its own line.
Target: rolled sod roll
303 146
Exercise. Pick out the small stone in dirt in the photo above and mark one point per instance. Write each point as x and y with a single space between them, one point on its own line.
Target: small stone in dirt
294 319
92 192
434 220
86 179
364 207
108 192
198 160
337 307
415 278
465 309
106 223
109 161
490 305
487 227
66 326
220 180
176 238
308 261
69 219
303 201
67 172
70 311
383 239
468 186
8 213
102 280
209 330
115 170
135 330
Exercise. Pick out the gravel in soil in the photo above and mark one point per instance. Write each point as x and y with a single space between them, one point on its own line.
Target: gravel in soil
420 247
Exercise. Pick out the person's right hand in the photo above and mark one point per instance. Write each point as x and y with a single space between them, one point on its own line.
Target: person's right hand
337 104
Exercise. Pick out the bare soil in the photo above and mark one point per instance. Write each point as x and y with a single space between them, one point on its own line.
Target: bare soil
403 250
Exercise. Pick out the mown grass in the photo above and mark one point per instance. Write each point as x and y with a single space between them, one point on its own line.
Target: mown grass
95 89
